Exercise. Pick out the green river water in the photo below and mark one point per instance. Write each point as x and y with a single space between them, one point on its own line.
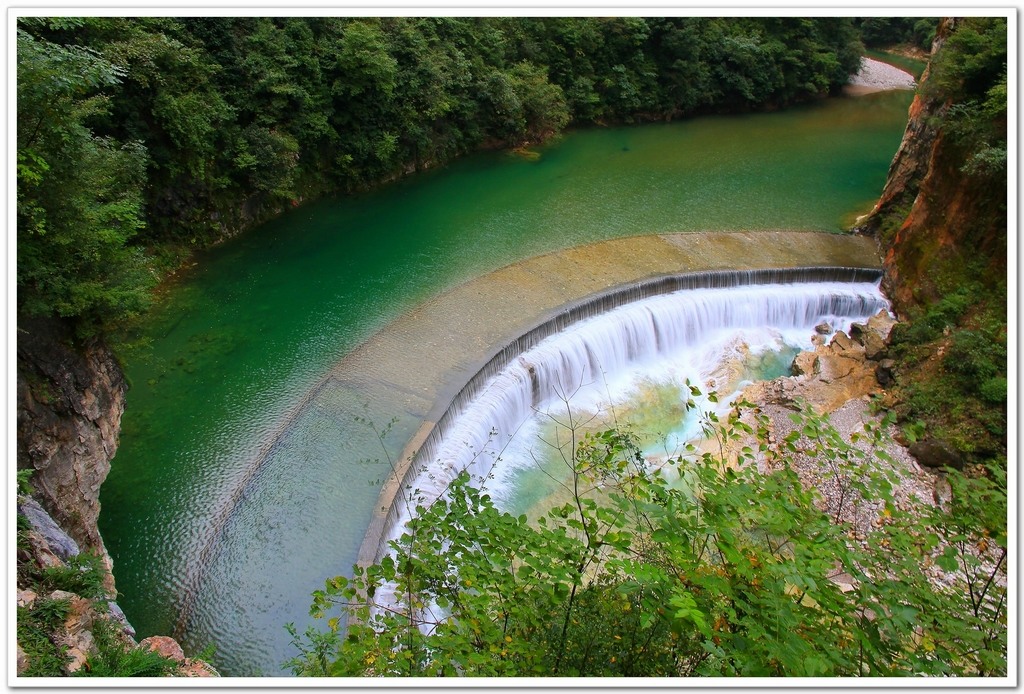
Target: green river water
242 337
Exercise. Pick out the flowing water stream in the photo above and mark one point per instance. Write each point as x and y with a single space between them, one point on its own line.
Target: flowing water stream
597 363
511 425
240 341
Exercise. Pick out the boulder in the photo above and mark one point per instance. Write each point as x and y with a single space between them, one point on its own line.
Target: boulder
823 329
805 364
874 346
857 331
934 453
165 646
841 342
884 373
118 615
881 324
58 541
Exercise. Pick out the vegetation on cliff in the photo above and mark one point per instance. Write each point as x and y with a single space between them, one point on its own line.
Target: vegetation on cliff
943 223
140 137
67 623
889 32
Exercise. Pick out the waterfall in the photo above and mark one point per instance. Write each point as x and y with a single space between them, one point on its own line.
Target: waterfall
606 334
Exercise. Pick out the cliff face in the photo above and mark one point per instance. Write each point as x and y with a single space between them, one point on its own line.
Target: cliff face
932 215
70 402
909 166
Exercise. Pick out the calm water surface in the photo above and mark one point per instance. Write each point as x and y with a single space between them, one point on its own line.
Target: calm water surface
243 337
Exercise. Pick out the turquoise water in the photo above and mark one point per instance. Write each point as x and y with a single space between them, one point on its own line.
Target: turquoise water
242 336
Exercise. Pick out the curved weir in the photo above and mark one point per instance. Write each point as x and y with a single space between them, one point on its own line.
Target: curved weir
605 334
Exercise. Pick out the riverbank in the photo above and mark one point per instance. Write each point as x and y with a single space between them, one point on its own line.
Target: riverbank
845 379
876 76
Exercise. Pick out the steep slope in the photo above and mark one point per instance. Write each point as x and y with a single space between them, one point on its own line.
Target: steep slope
943 207
942 225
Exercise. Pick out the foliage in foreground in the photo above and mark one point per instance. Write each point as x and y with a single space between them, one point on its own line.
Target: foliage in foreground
700 568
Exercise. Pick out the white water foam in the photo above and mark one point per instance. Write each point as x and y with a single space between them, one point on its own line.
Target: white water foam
598 356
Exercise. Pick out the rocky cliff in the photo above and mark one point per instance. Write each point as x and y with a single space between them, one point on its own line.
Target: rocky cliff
70 400
942 226
70 396
936 215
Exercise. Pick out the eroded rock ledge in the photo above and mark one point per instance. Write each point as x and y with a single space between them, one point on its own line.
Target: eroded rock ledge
845 377
43 547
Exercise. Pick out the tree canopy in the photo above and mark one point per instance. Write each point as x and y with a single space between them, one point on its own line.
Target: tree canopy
148 133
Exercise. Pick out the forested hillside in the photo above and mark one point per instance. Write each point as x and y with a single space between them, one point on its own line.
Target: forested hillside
139 138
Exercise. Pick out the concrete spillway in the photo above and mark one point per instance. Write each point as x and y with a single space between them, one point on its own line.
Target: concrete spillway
431 360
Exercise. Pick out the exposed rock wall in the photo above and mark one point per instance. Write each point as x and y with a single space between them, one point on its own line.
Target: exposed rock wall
930 213
909 166
70 400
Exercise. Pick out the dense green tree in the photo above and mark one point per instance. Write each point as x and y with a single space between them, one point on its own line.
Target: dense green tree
970 72
210 124
882 32
79 194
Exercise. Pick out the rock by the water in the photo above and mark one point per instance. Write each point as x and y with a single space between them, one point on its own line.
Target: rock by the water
118 614
165 646
60 543
805 364
882 324
823 329
873 341
843 342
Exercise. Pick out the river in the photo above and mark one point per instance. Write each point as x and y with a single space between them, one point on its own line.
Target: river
245 334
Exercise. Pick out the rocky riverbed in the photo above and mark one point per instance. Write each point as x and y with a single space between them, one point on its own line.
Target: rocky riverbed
842 378
846 378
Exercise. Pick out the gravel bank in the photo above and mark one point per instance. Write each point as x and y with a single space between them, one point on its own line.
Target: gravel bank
876 76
